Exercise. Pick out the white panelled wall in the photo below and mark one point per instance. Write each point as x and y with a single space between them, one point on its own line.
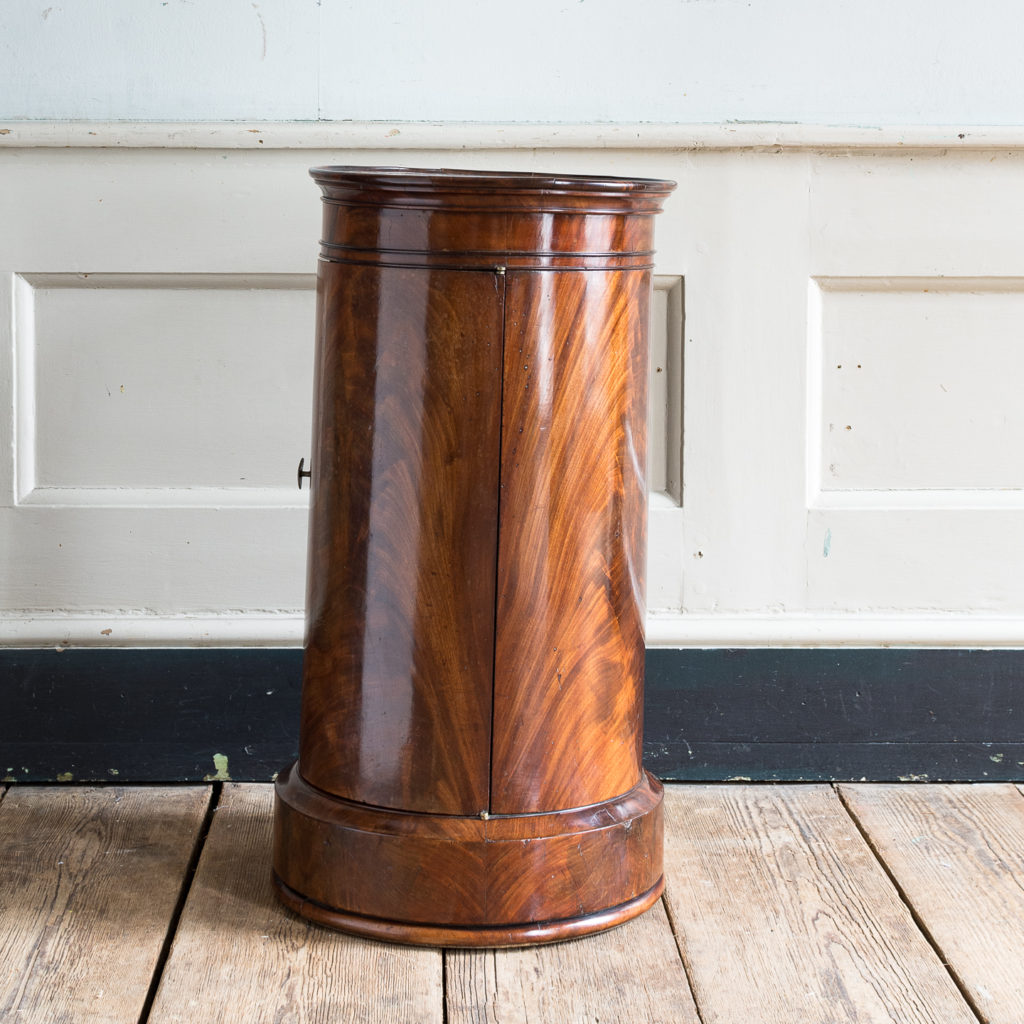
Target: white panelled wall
838 341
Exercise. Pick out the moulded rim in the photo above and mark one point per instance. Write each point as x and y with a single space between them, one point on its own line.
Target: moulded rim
440 179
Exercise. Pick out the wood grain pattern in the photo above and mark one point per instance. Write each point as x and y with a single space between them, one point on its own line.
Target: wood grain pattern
415 217
238 959
569 662
784 915
396 707
957 852
455 880
632 973
469 657
88 888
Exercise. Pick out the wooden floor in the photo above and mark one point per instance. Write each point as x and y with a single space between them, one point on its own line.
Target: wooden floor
801 903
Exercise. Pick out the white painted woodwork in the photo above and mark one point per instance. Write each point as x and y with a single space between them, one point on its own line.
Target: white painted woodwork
665 429
127 512
158 373
916 388
404 135
665 441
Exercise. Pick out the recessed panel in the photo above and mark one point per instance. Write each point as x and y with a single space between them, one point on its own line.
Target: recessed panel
920 384
665 419
165 381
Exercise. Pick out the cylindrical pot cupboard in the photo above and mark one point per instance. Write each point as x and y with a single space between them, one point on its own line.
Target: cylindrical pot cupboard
469 768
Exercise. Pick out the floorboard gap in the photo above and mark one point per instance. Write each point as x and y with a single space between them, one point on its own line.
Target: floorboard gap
918 920
179 906
682 959
444 986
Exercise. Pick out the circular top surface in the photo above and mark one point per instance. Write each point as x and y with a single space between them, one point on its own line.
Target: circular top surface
421 179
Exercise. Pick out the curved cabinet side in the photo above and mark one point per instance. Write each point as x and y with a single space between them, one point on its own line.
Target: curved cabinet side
568 691
396 704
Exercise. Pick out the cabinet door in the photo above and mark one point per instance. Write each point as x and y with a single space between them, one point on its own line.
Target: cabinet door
400 619
568 681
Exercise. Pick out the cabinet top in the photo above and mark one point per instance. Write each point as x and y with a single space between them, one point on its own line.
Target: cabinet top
410 217
433 188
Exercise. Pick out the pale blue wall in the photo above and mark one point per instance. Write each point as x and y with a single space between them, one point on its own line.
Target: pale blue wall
866 62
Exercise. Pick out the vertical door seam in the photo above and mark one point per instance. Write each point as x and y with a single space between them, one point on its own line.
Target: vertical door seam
501 276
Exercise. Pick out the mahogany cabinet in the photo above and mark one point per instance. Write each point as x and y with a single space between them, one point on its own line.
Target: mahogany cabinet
469 768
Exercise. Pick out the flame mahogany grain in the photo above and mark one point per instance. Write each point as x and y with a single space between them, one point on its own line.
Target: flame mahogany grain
508 874
469 765
569 667
397 676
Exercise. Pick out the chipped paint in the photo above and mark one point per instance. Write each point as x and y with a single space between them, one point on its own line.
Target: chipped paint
220 774
913 778
65 777
996 758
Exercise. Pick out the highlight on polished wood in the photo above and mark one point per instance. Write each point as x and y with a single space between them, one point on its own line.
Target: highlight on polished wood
469 766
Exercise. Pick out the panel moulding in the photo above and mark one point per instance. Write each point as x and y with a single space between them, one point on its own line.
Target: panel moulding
665 421
273 628
462 135
665 447
23 351
888 498
284 628
28 490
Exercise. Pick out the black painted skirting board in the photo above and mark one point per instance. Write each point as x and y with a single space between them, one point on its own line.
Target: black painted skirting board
148 715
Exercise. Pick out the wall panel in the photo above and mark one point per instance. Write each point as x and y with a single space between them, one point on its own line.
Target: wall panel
919 384
185 276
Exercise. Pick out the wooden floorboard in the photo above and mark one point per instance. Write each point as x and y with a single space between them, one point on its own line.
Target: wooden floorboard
632 973
791 904
240 958
957 853
784 914
89 880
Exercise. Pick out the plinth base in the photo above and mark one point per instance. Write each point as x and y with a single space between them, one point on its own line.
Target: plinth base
447 880
440 935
